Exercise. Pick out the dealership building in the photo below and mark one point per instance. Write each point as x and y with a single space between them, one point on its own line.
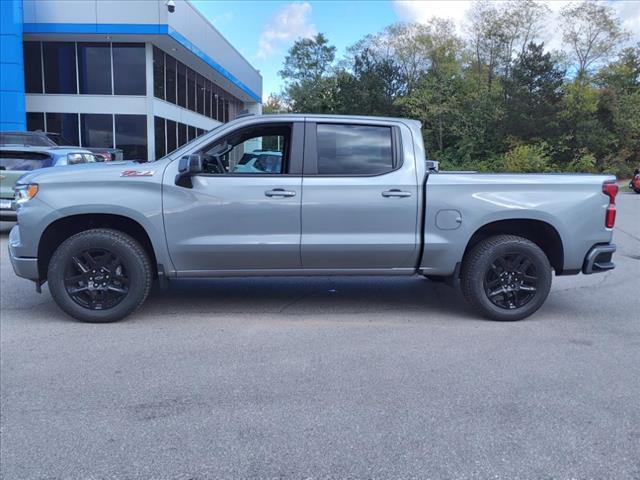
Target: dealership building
127 74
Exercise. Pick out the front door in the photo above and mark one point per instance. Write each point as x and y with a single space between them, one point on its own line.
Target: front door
243 212
360 198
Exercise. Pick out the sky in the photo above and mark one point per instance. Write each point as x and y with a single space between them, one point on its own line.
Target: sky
264 30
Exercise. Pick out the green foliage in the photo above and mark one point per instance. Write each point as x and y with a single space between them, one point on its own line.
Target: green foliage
585 162
527 158
495 100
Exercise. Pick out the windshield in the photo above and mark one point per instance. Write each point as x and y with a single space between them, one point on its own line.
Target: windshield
23 139
59 140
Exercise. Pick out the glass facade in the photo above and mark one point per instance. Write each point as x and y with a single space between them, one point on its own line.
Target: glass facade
94 75
170 135
129 69
94 68
96 129
178 84
59 67
66 124
33 67
131 136
116 68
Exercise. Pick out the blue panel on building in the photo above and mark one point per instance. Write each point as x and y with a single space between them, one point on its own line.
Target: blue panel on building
12 100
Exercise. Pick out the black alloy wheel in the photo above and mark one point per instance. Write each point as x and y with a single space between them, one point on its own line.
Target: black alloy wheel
96 279
505 277
511 281
100 275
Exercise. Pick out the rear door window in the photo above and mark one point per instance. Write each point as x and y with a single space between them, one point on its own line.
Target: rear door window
23 161
354 149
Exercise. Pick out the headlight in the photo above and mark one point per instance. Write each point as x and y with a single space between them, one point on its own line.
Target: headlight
24 193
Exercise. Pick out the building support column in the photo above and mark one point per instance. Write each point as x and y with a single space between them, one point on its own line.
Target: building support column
12 108
151 136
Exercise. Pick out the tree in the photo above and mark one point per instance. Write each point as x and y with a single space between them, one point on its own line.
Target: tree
274 104
533 96
307 69
593 32
309 59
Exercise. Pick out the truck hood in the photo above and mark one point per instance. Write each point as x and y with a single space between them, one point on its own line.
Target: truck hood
92 172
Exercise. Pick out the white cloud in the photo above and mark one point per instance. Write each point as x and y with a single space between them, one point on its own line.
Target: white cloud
288 24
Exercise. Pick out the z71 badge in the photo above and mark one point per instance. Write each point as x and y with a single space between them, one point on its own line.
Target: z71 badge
137 173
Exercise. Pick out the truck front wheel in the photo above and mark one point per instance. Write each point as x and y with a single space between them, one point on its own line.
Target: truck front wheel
506 277
99 275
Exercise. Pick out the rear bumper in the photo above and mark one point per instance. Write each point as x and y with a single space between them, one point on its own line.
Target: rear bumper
598 259
25 267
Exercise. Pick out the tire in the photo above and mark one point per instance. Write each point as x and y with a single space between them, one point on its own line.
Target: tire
514 267
100 276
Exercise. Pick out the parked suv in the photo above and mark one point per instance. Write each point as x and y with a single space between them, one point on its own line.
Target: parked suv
39 138
16 161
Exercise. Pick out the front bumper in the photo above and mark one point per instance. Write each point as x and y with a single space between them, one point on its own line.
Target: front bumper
598 259
7 213
25 267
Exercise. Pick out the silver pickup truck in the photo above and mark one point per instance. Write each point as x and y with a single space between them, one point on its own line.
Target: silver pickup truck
325 195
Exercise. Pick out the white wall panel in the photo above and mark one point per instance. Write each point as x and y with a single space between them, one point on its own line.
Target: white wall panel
86 104
129 11
65 11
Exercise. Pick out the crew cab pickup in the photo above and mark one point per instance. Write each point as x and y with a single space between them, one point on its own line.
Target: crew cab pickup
335 195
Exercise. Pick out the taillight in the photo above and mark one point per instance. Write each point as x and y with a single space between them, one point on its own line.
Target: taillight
610 189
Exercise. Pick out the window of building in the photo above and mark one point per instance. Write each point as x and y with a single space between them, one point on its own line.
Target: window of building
199 94
170 67
35 121
94 68
182 134
191 90
32 67
96 129
220 117
172 140
226 111
354 150
131 136
191 133
59 67
158 73
129 69
66 125
182 85
160 137
207 98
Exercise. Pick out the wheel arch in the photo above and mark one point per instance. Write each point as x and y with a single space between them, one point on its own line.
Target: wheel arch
63 228
541 233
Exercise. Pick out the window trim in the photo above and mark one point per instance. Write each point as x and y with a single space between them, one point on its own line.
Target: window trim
294 160
310 168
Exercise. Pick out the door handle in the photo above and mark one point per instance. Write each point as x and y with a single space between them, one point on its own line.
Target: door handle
280 192
395 193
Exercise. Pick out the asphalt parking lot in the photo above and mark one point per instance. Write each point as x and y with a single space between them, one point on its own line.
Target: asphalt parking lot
327 378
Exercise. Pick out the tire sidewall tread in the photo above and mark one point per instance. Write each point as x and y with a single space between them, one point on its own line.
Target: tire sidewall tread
474 268
136 261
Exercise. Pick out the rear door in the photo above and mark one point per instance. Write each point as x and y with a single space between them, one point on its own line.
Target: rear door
360 197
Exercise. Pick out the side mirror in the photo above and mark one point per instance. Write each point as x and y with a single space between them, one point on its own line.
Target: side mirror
188 166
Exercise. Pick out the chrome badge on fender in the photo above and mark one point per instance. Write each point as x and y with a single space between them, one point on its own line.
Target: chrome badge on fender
137 173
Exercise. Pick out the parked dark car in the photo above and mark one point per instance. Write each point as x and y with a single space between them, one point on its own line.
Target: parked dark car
51 139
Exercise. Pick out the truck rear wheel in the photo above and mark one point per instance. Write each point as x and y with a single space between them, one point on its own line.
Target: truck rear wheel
99 275
506 277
